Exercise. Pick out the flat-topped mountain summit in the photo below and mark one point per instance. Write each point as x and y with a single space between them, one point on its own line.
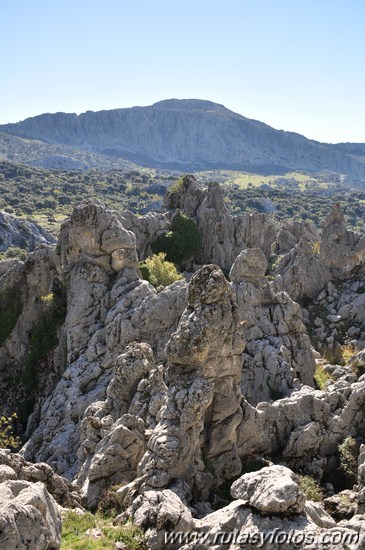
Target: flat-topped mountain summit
188 134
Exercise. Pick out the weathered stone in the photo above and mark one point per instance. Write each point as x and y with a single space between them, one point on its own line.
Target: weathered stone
273 489
29 517
341 250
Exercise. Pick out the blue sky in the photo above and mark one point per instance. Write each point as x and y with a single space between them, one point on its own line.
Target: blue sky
296 65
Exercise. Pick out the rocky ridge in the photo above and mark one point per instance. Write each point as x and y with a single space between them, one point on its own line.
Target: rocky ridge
171 395
193 134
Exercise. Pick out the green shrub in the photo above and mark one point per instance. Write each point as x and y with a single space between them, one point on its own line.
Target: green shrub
181 243
109 504
11 308
321 377
316 247
348 451
159 272
14 252
311 488
44 336
7 438
74 527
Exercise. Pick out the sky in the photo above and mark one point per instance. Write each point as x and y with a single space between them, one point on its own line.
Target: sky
296 65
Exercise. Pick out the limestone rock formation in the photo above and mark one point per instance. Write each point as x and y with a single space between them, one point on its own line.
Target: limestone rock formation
291 232
169 394
29 517
108 307
274 489
14 467
204 367
301 272
278 353
224 236
341 250
16 232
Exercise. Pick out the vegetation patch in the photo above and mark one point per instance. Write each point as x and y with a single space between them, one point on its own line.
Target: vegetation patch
14 252
44 337
181 243
75 526
311 488
159 272
10 307
321 377
7 438
348 451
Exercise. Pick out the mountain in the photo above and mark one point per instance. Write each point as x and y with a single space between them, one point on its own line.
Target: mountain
188 135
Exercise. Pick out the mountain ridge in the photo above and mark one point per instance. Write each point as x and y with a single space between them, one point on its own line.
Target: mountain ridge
188 134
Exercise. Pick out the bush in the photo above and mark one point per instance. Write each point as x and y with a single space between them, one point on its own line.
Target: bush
348 451
44 336
7 438
311 488
14 252
159 272
181 243
11 308
321 377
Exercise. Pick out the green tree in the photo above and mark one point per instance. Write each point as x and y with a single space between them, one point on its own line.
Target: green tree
181 243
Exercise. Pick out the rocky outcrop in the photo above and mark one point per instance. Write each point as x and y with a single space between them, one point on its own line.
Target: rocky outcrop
167 395
108 307
29 517
14 467
223 236
28 291
272 490
278 353
342 251
273 514
202 409
16 232
301 272
290 234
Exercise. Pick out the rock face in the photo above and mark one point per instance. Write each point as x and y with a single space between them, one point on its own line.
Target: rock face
337 242
167 395
290 234
108 307
224 236
191 133
13 466
29 517
21 233
278 353
202 410
274 489
300 272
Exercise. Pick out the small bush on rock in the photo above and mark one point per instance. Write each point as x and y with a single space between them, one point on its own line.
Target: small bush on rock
11 308
321 377
181 243
7 438
159 272
348 451
311 488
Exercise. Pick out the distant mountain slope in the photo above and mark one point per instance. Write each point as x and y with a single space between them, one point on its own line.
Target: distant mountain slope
42 154
188 135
